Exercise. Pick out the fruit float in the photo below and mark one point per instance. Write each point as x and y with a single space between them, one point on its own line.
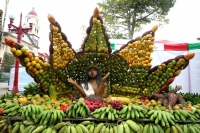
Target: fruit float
141 98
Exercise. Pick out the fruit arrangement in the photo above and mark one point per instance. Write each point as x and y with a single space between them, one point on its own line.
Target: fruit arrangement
139 101
130 66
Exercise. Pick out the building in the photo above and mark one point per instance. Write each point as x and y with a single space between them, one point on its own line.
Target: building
30 41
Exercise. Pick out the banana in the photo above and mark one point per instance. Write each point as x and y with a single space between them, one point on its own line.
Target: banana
78 129
132 114
10 128
59 125
128 115
155 128
146 128
39 129
83 128
33 108
168 130
32 129
3 121
191 129
73 129
103 129
178 128
120 128
91 130
5 128
115 129
63 129
141 128
195 128
21 127
151 128
16 128
28 128
46 120
173 129
126 127
98 127
132 125
136 114
111 130
49 129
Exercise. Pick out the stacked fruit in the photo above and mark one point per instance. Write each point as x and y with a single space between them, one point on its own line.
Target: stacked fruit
78 109
106 112
93 105
30 111
11 109
161 76
5 126
121 90
70 128
32 88
132 111
152 128
95 40
62 51
183 128
165 118
137 52
184 115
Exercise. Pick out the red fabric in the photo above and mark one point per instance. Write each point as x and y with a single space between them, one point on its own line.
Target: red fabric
173 46
176 46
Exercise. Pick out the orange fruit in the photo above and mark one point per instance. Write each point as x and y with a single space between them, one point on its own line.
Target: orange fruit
29 55
33 63
13 49
37 65
23 49
18 52
36 59
27 52
26 59
28 64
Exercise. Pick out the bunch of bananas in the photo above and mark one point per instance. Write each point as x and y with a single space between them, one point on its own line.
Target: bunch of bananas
78 109
132 111
11 109
30 127
32 88
164 117
50 117
106 112
183 128
68 127
184 115
5 126
31 111
128 126
153 128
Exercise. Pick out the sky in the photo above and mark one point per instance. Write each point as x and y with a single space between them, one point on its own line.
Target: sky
73 14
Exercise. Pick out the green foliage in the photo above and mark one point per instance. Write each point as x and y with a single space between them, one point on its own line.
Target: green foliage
124 17
8 60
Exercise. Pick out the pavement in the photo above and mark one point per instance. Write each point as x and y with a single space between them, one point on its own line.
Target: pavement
4 88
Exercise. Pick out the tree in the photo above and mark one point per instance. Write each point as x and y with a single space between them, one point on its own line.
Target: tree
8 61
127 16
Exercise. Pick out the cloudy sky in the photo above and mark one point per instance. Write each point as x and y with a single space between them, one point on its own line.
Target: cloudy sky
73 14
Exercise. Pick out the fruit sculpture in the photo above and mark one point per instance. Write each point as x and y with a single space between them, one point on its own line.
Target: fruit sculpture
130 66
